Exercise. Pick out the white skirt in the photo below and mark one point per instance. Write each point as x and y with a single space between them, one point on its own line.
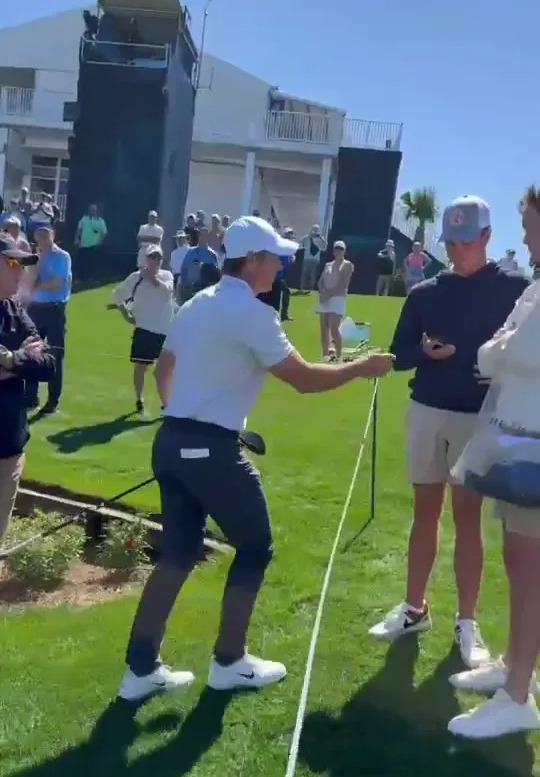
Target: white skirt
333 305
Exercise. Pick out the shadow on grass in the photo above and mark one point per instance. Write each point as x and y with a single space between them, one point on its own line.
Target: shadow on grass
105 753
391 728
72 440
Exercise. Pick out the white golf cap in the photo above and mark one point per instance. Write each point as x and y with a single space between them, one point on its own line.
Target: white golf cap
154 250
14 220
340 244
251 234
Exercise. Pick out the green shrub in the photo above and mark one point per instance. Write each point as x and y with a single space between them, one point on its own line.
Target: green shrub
125 545
46 562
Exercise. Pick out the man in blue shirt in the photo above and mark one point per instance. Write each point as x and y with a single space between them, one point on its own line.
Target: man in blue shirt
200 267
51 293
443 323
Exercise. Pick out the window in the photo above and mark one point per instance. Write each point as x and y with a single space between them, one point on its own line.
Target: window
45 173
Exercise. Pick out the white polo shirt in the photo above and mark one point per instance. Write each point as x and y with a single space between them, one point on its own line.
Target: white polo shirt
224 341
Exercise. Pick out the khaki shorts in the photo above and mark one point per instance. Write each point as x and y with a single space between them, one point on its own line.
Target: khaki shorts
435 441
519 520
10 475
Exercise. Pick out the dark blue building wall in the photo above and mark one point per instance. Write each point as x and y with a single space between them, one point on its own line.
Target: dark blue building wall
179 113
364 204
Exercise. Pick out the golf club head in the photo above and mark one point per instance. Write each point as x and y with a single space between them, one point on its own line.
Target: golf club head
253 442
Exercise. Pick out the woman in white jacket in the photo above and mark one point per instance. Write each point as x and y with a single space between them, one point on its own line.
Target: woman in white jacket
512 360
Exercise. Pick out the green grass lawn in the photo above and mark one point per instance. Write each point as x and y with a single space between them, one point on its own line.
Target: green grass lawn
372 711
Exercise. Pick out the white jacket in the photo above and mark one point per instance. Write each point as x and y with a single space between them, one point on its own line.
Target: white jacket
512 359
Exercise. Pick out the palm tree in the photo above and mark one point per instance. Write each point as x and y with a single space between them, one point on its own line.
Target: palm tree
420 205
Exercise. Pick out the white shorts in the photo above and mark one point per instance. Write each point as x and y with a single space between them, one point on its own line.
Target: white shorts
333 305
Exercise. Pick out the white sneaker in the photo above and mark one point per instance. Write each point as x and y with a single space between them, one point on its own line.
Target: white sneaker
248 672
471 645
134 688
496 717
401 620
487 678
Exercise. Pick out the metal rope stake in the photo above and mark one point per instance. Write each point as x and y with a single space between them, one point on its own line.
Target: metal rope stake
373 484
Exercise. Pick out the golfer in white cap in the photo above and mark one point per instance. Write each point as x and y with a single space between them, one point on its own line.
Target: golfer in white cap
220 347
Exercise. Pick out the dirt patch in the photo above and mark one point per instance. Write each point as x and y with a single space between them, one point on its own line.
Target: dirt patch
86 584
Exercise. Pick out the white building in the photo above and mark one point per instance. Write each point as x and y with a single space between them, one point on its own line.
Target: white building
254 146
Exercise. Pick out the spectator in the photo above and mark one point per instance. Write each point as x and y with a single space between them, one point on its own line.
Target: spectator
191 230
146 299
22 357
12 226
177 260
386 268
89 238
150 233
516 370
435 337
313 245
508 262
414 266
333 287
215 235
91 25
50 296
283 278
200 219
195 268
225 221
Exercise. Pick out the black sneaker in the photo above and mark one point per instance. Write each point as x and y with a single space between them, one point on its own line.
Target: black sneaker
49 408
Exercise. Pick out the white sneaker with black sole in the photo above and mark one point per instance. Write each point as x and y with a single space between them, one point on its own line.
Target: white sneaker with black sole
401 620
471 645
248 672
164 678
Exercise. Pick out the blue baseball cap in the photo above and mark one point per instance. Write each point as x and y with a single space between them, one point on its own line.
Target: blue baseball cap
464 219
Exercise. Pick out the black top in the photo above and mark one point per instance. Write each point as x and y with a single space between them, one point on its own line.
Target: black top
461 311
15 327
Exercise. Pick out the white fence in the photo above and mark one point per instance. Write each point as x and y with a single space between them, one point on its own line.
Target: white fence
332 129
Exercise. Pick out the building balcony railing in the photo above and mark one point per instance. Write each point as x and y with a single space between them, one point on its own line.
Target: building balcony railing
33 107
333 129
15 101
120 54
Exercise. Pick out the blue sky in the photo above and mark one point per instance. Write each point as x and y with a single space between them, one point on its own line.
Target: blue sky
462 76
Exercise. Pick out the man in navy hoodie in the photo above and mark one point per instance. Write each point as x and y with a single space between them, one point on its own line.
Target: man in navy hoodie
443 323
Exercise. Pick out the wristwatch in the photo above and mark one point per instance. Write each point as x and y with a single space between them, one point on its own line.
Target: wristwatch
6 358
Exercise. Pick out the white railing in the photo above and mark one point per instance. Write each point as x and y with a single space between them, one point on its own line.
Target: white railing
302 127
359 133
60 201
15 101
34 107
332 129
111 52
432 234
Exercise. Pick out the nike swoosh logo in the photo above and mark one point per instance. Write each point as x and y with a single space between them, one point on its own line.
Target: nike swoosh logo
162 684
247 676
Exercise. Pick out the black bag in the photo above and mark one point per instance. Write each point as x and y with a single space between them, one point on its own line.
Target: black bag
314 248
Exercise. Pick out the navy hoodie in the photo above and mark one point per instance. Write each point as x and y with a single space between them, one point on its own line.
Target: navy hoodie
461 311
15 327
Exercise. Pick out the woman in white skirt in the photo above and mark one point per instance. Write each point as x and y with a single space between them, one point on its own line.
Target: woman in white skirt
333 287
